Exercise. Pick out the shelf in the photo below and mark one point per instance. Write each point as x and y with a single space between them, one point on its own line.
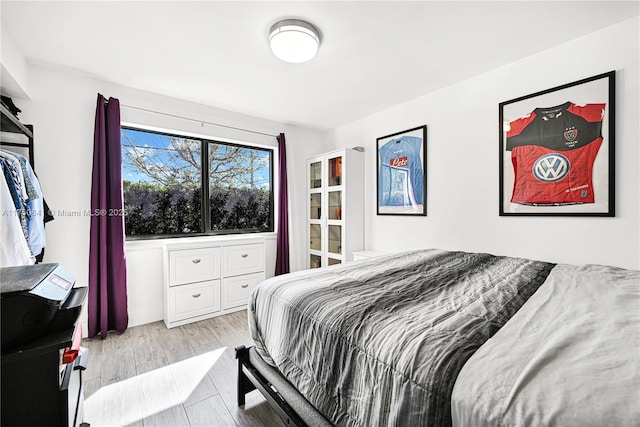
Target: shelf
10 123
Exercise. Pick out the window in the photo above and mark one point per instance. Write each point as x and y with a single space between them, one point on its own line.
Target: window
165 178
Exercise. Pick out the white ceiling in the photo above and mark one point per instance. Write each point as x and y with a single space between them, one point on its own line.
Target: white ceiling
373 54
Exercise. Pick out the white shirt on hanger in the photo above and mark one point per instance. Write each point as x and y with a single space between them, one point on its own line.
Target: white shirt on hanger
14 250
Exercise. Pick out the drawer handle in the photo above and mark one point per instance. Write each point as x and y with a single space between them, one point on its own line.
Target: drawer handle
196 295
196 261
244 286
244 255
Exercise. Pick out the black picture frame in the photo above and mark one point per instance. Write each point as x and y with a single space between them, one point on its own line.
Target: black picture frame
401 173
557 150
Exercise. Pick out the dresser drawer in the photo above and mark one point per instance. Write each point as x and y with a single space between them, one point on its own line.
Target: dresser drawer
236 290
193 265
243 259
193 300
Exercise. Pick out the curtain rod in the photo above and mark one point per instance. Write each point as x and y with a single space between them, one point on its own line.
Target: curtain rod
198 121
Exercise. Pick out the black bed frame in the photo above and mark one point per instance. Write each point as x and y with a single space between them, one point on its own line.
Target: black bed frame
249 379
256 374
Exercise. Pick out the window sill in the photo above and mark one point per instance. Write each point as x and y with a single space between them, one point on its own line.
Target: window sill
139 244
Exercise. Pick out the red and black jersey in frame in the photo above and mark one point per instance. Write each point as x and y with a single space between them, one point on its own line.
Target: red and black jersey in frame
553 151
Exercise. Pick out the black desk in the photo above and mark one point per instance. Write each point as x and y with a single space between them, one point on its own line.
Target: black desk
37 389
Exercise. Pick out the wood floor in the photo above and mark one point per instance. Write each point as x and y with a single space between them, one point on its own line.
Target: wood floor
184 376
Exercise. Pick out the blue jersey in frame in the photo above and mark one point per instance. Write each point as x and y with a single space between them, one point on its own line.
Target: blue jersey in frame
401 176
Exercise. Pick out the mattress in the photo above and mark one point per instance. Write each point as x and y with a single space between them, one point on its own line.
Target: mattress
380 342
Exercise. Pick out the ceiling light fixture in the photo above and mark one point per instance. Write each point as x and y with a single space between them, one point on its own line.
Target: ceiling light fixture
294 40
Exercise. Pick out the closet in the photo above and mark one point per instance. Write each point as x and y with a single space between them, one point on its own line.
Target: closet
24 210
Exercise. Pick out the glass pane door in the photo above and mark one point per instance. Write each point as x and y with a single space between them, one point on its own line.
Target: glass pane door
335 239
315 204
315 175
332 261
315 237
335 204
315 261
335 171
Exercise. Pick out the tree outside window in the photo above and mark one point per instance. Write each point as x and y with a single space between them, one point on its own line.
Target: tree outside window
165 177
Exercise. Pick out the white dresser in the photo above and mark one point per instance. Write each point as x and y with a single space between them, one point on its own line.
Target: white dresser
207 279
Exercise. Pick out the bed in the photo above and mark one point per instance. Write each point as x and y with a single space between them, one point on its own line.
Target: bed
441 338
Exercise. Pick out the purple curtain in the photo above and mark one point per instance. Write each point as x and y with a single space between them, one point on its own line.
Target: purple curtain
107 265
282 240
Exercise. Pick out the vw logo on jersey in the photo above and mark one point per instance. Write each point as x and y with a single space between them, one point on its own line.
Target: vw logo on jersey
551 167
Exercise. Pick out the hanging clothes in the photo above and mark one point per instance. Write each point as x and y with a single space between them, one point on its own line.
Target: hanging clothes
23 212
30 190
14 250
15 181
36 238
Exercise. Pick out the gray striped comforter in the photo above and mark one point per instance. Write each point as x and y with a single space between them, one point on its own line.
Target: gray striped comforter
381 342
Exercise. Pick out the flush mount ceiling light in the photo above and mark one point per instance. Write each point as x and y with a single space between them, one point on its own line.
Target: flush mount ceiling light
294 40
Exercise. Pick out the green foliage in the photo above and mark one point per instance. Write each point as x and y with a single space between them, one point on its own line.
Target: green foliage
239 209
154 209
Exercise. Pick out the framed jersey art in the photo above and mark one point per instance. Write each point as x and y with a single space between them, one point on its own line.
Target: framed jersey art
557 150
401 177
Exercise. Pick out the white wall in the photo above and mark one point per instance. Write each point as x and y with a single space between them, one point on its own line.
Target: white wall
462 161
62 109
